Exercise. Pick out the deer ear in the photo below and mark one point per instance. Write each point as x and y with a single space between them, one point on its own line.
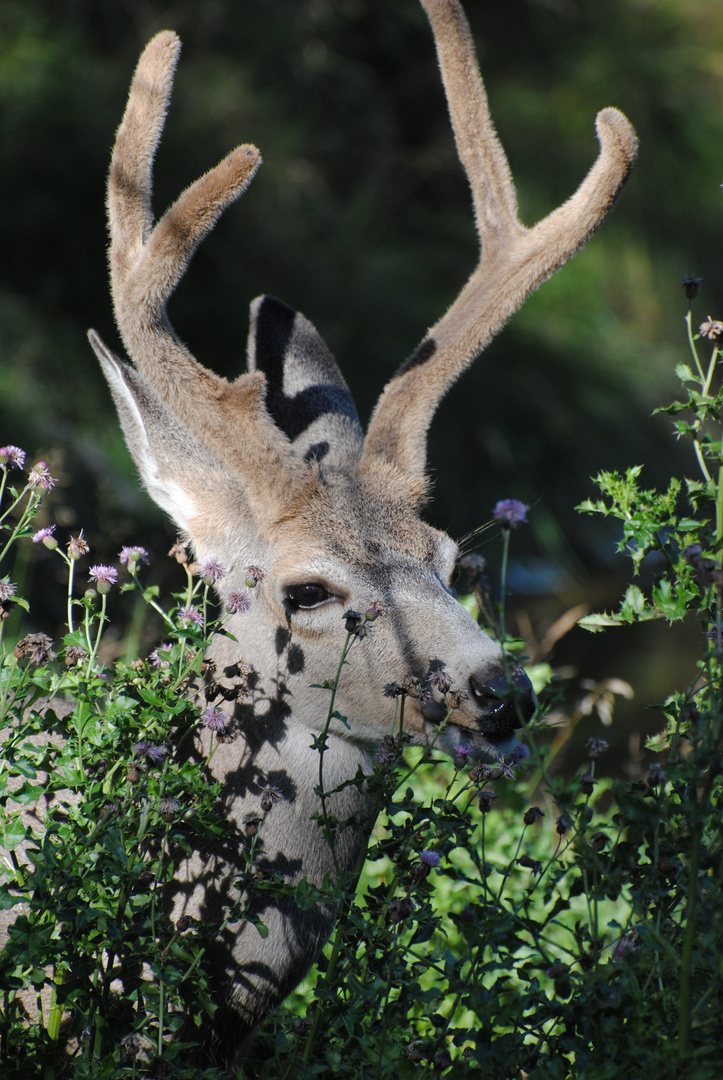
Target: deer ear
306 394
175 468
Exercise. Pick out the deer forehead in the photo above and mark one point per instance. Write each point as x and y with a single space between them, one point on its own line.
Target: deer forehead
350 532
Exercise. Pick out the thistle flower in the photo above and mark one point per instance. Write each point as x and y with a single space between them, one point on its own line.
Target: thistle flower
12 456
587 783
563 824
45 536
190 615
35 646
168 808
254 576
486 798
157 661
154 754
7 589
529 863
77 546
596 747
393 689
104 577
440 680
455 698
179 553
532 815
39 477
692 286
461 755
430 858
510 513
74 654
237 603
358 625
131 556
212 571
270 796
214 718
712 328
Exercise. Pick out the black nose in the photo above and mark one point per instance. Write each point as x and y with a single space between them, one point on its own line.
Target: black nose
506 702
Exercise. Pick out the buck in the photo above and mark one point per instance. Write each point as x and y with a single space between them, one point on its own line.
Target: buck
273 471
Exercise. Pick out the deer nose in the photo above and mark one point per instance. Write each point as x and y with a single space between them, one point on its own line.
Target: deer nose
507 702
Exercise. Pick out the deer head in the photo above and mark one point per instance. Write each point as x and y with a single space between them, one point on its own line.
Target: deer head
273 471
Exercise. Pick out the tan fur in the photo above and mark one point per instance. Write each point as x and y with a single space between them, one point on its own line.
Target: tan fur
271 470
514 260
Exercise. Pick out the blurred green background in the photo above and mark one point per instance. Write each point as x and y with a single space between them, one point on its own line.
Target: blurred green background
360 218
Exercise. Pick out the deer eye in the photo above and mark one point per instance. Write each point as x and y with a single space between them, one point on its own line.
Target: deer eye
310 594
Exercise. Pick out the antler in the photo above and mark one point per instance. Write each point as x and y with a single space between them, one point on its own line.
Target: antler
514 260
147 262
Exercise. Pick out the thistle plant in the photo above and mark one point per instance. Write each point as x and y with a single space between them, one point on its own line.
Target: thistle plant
504 919
97 798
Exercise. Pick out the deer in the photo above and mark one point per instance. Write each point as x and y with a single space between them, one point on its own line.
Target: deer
273 471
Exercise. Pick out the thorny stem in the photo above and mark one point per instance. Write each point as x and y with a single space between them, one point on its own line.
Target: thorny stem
94 648
691 342
25 517
686 960
503 579
322 746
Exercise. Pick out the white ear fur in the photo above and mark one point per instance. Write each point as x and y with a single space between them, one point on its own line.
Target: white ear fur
154 437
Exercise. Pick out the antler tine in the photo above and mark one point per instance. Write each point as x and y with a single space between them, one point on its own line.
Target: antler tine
147 263
514 260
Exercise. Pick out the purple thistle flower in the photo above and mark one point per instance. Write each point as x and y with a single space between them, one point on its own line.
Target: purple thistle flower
440 680
104 577
77 547
130 556
39 477
269 796
189 614
157 661
214 718
510 513
237 603
461 755
254 575
7 589
212 571
430 858
45 536
12 456
155 754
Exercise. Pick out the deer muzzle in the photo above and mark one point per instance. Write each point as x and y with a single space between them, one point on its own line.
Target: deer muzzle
506 702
